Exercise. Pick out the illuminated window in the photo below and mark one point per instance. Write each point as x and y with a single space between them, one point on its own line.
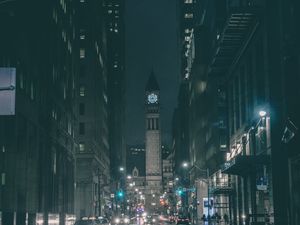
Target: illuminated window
3 179
82 53
82 0
81 147
188 1
188 15
82 34
82 91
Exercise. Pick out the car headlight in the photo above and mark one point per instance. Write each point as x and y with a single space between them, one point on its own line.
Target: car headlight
126 220
117 220
153 220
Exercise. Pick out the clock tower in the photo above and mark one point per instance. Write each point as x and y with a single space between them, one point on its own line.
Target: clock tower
153 143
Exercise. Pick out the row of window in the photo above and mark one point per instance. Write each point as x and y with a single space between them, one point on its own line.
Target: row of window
167 169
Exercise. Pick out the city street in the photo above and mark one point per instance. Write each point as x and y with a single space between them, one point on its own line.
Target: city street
149 112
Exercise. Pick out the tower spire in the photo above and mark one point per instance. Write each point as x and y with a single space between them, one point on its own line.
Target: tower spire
152 84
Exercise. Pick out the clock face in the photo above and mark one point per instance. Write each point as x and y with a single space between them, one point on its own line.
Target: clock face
152 98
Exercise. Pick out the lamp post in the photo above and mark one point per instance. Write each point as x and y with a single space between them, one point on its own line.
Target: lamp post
206 180
206 171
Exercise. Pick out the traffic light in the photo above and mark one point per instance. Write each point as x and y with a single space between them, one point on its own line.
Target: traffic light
179 191
120 194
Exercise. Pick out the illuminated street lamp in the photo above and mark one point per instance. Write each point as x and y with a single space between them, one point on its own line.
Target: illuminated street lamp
121 169
185 165
262 113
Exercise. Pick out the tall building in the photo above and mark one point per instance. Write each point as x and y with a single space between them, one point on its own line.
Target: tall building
153 143
92 158
115 30
243 129
39 54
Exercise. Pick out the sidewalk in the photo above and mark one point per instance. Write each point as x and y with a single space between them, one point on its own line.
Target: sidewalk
213 222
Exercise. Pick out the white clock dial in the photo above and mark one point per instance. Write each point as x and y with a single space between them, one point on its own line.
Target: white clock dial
152 98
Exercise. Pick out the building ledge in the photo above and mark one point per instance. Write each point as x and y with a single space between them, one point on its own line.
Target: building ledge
244 165
218 190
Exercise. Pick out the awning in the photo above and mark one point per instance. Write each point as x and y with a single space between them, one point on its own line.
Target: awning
244 164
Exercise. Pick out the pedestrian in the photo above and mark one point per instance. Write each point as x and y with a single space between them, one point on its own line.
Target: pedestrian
217 217
226 219
203 218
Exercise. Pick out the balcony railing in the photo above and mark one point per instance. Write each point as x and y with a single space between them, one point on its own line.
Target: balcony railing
221 185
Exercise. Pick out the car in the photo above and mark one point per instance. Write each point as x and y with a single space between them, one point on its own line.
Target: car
150 220
182 220
122 219
91 221
103 221
172 219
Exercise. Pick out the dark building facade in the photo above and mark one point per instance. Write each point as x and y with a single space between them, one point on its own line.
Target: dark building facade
37 141
135 160
93 156
115 29
243 125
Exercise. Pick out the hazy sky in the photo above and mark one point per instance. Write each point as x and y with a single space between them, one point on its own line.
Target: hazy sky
151 42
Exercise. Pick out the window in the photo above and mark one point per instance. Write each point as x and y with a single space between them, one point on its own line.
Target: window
69 127
82 34
82 91
31 91
81 128
82 53
188 15
82 70
81 147
188 1
81 109
3 179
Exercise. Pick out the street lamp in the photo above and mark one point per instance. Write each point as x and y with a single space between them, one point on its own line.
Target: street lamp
206 171
185 165
262 113
121 169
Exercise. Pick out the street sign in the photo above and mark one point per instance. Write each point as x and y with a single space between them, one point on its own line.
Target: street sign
7 90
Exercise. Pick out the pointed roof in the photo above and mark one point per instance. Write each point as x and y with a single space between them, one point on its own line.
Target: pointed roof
152 84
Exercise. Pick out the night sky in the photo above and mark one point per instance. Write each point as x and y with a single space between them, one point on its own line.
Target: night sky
151 42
